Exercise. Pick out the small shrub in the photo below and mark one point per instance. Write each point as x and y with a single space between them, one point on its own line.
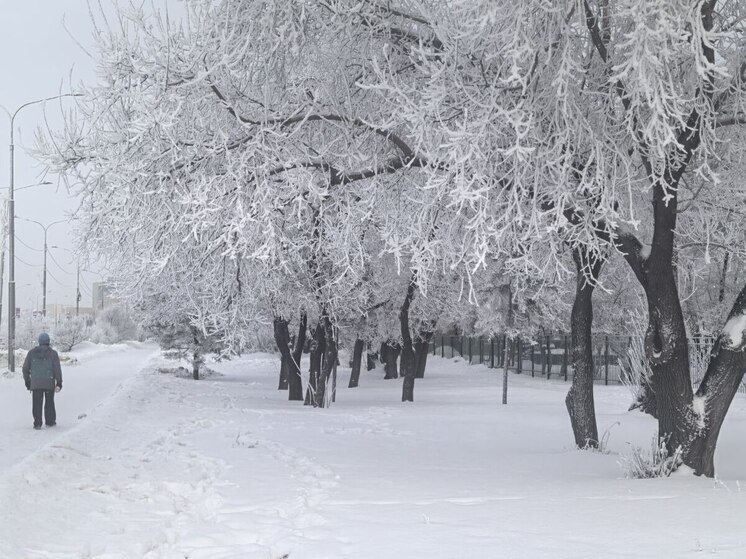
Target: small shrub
70 333
28 330
114 325
652 463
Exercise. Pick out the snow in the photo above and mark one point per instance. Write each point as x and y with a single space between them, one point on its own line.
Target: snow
166 467
734 330
699 406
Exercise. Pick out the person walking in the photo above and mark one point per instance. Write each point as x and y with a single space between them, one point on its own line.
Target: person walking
42 374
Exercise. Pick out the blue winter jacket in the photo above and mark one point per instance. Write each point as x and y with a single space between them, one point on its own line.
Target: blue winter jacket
41 369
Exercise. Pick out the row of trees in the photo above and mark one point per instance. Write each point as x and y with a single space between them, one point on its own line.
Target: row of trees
366 168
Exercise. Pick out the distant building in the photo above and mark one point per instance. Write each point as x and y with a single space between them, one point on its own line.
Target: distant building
58 313
102 297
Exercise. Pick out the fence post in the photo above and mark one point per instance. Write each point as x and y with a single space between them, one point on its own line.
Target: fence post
606 360
442 346
470 350
462 346
453 349
532 359
520 356
549 358
481 350
564 358
492 352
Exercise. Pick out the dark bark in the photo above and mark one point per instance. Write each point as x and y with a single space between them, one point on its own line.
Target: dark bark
724 277
196 358
389 355
421 351
315 358
291 360
370 361
668 353
328 360
715 393
196 354
357 358
408 363
284 371
295 382
579 401
543 354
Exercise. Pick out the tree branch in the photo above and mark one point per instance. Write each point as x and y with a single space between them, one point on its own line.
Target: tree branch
284 122
730 120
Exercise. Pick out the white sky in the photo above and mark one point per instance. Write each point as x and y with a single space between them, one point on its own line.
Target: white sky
39 58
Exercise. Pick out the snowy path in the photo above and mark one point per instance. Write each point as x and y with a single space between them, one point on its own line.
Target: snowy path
86 385
168 468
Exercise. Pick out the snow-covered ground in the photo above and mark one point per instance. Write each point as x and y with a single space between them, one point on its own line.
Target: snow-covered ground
150 465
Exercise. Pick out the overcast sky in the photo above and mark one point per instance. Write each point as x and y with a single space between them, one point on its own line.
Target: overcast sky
38 58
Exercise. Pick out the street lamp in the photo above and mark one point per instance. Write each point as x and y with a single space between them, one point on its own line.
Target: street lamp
4 234
45 228
11 230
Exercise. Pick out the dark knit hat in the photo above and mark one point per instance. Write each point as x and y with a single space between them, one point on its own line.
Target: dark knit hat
43 338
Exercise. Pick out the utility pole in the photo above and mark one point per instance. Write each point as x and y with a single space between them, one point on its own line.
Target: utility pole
44 278
12 232
4 236
45 228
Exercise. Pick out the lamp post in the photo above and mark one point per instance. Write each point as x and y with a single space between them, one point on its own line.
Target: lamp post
4 236
45 228
11 230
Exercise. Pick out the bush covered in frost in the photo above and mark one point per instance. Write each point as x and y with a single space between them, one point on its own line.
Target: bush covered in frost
28 330
70 332
113 325
655 462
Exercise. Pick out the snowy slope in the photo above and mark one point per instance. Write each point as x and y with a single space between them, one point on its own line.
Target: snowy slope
166 467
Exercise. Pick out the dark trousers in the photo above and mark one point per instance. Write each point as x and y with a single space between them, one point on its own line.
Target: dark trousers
50 414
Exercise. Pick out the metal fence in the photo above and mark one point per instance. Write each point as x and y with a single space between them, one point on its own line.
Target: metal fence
549 356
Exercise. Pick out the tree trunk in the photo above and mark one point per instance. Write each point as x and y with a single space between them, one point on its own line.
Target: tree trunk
295 381
422 349
723 277
196 358
579 401
357 358
408 363
291 360
668 353
389 354
284 371
282 340
314 373
716 392
370 361
327 363
196 355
